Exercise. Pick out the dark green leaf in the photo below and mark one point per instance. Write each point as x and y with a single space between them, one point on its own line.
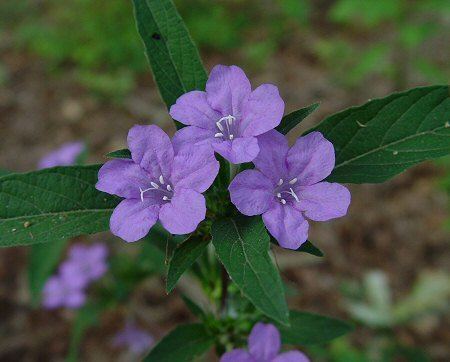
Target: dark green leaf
51 205
183 257
294 118
123 153
4 172
182 344
384 137
306 247
193 307
309 328
242 245
174 59
43 259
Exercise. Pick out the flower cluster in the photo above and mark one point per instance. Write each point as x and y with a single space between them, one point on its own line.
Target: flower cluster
165 178
66 155
84 265
136 340
264 345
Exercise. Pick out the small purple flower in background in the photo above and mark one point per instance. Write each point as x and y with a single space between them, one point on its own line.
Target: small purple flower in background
135 339
66 155
157 183
285 187
264 345
60 291
229 114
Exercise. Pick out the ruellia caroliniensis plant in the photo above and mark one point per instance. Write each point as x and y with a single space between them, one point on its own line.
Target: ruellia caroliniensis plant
225 190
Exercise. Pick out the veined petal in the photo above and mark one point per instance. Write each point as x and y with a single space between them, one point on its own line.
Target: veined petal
237 355
239 150
251 192
311 159
122 178
271 159
194 167
184 212
323 201
227 88
264 342
291 356
193 109
193 136
132 219
262 111
287 225
151 148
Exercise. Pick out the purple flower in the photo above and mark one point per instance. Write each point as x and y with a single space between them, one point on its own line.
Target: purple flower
157 183
264 345
85 264
66 155
229 114
285 187
136 340
60 291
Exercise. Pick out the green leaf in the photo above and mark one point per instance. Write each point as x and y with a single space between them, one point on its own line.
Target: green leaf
123 153
43 259
294 118
86 317
52 205
182 344
309 328
384 137
174 59
242 245
4 172
183 257
193 307
306 247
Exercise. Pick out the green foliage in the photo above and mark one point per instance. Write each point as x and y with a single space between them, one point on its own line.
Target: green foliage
123 153
242 245
383 137
51 205
182 344
294 118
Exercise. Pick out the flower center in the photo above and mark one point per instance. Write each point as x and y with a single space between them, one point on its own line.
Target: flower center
284 191
227 128
164 189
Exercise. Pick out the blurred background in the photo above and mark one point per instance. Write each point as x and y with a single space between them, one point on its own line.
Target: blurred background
75 70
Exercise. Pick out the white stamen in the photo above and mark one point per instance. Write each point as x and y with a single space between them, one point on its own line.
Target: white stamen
231 137
293 181
217 135
155 185
169 188
219 125
279 195
161 179
142 194
280 182
283 201
165 198
294 195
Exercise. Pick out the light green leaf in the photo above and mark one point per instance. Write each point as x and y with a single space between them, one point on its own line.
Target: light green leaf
51 205
174 59
242 245
183 257
43 259
294 118
309 328
182 344
123 153
384 137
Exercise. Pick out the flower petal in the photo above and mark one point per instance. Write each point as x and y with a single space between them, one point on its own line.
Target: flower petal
122 178
132 219
287 225
311 159
193 109
66 155
75 299
264 341
323 201
239 150
271 159
194 167
53 296
192 135
237 355
184 212
227 88
291 356
262 111
151 148
251 192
